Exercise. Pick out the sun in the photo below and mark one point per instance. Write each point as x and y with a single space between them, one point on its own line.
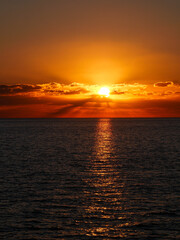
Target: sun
104 91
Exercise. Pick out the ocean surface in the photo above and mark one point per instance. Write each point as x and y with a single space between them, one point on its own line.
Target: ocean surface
89 179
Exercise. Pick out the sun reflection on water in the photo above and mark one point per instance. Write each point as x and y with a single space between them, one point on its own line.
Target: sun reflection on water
105 187
104 139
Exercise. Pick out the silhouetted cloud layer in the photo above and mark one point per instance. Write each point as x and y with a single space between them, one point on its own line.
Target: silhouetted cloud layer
18 88
82 100
47 88
57 89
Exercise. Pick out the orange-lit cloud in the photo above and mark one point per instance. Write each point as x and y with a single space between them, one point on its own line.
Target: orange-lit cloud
82 100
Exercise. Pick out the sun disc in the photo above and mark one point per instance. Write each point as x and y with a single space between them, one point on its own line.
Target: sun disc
104 91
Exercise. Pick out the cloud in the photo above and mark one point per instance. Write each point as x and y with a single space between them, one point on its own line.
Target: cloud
76 99
125 88
46 88
64 89
118 92
18 88
163 84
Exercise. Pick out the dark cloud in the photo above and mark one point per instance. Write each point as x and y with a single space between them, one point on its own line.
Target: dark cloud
66 92
26 106
18 88
118 92
163 84
49 88
49 100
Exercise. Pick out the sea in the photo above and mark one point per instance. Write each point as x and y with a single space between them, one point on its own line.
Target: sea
90 179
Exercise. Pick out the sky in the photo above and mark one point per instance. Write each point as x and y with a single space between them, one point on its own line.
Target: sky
55 55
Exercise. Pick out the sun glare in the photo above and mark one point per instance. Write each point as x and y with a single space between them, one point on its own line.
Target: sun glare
104 91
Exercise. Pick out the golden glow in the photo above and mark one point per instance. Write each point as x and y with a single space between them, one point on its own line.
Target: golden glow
104 91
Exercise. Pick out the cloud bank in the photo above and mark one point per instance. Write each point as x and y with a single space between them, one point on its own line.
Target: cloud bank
81 100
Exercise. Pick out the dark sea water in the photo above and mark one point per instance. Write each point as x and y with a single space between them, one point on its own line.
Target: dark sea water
89 179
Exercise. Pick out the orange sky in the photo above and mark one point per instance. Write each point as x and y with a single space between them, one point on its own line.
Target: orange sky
55 56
